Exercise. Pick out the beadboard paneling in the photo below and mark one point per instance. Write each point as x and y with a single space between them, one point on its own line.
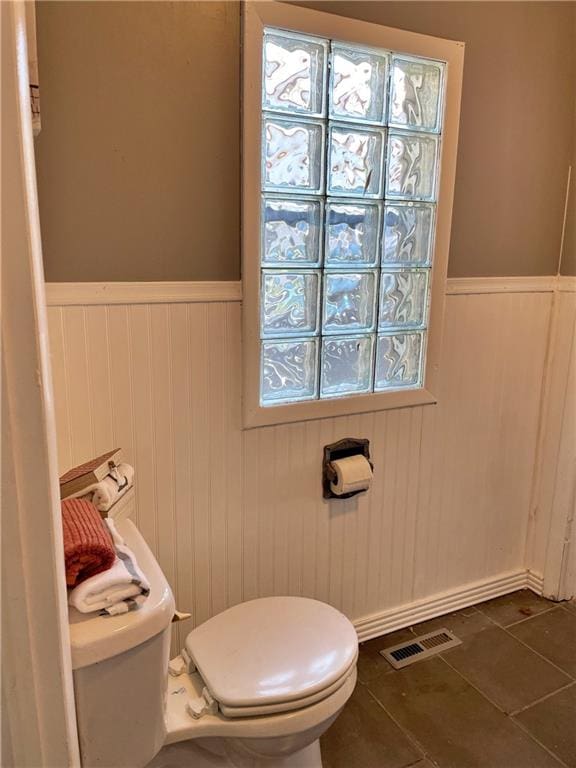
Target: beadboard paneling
552 534
235 514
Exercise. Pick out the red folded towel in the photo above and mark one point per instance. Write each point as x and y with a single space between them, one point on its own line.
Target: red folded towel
88 547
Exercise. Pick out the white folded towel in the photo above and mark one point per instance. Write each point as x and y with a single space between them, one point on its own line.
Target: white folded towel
123 607
111 525
107 492
121 588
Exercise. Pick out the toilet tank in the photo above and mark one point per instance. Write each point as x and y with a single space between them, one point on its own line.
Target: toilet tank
120 669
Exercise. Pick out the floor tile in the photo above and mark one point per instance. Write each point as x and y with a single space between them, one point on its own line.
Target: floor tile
455 725
569 605
519 605
463 623
371 663
552 722
364 736
553 635
509 674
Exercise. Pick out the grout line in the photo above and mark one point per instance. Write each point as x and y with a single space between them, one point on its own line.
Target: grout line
504 629
567 685
538 653
542 698
473 685
529 618
515 722
540 744
485 695
409 735
509 716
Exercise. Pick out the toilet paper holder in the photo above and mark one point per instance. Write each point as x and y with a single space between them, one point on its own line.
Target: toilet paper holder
348 446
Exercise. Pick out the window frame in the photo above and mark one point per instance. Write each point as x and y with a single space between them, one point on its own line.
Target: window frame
257 16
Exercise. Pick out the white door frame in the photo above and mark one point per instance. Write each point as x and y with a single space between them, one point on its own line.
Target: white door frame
38 715
559 477
551 535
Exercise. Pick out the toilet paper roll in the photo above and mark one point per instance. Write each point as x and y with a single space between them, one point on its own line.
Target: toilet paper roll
353 473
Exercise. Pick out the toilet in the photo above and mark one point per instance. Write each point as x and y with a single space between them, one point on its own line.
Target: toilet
255 686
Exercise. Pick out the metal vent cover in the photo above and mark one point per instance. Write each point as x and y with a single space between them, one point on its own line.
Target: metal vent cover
420 648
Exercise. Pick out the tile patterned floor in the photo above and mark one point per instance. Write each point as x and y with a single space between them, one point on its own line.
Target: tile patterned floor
505 698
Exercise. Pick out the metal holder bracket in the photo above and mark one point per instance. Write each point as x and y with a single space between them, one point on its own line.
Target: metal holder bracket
348 446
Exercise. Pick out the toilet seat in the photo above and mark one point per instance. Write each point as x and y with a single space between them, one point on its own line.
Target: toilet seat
288 706
272 655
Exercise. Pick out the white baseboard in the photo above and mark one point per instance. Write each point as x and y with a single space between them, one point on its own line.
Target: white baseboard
445 602
535 582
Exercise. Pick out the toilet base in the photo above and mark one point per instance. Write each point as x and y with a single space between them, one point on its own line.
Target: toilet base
190 754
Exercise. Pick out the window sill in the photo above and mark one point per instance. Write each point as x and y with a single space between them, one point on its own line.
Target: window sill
342 406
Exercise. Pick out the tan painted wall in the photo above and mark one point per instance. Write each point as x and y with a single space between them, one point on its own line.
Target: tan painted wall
138 158
139 153
568 265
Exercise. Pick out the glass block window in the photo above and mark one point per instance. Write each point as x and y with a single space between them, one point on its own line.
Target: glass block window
349 177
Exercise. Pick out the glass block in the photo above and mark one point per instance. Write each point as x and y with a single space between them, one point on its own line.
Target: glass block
292 155
408 233
349 302
291 232
289 303
403 299
289 371
347 365
358 80
352 234
294 74
399 361
411 166
416 94
355 161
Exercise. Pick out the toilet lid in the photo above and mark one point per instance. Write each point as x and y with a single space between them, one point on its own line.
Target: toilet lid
271 650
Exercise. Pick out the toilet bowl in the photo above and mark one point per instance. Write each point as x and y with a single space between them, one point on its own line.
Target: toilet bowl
254 686
286 740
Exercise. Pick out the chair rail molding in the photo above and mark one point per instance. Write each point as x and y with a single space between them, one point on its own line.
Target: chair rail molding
521 284
94 294
186 292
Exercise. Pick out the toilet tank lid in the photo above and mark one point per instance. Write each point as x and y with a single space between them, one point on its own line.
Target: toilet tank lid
94 638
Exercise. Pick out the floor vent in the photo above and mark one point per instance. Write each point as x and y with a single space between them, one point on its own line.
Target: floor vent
420 648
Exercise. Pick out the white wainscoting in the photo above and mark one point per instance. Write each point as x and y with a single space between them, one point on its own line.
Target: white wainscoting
551 547
233 514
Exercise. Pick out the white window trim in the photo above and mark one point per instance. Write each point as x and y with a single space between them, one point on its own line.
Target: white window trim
256 16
